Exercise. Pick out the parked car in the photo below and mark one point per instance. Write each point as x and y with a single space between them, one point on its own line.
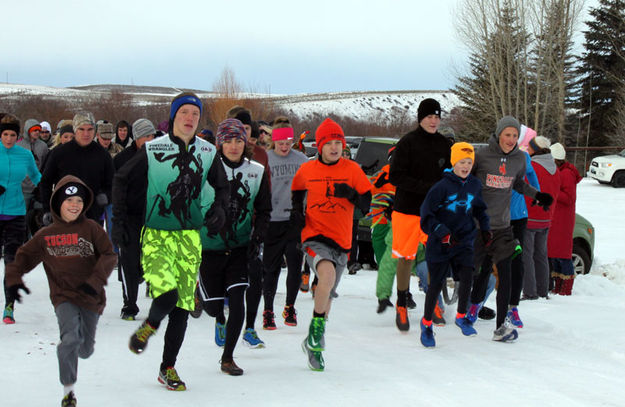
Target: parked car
372 156
352 141
609 169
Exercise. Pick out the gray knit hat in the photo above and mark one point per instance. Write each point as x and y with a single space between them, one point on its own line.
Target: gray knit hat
142 128
81 118
507 121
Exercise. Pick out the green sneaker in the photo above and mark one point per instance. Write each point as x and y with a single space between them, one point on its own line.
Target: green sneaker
69 400
139 339
315 358
314 340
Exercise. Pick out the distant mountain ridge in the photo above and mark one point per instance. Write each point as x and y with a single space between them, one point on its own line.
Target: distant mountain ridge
361 105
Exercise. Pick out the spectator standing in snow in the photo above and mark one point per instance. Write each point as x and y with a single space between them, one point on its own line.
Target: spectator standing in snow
536 276
418 162
560 240
500 167
128 218
16 163
282 240
78 258
448 216
332 187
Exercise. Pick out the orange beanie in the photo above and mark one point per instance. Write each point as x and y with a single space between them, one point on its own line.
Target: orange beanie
328 130
460 151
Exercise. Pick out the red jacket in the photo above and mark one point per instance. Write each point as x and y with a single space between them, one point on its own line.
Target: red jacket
549 180
560 241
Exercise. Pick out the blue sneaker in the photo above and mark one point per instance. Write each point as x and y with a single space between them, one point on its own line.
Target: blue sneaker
473 311
513 317
251 339
220 334
427 336
466 326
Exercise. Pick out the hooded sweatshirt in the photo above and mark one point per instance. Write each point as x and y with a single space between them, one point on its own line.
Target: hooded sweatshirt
499 173
38 148
73 253
549 179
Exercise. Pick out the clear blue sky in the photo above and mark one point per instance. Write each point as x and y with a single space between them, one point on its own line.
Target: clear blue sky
272 45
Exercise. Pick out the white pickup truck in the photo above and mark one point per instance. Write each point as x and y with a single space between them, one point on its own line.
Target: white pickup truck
609 169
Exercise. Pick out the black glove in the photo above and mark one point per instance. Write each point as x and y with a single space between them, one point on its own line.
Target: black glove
487 237
101 199
543 199
86 288
120 235
214 219
2 189
342 190
381 181
253 248
297 221
13 293
47 219
449 240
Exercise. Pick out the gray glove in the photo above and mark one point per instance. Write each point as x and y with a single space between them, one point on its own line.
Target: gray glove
47 218
101 199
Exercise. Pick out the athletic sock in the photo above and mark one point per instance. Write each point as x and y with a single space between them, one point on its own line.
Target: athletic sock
318 315
401 298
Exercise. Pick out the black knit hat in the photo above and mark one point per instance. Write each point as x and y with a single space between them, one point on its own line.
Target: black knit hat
68 190
427 107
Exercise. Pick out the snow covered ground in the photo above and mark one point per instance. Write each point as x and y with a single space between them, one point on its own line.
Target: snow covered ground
570 352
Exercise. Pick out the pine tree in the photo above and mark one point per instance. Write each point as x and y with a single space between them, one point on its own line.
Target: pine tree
601 100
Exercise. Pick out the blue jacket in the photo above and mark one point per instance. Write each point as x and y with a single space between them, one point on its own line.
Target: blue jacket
448 209
15 164
518 208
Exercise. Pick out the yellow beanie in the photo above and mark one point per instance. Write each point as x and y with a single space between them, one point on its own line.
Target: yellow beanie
461 150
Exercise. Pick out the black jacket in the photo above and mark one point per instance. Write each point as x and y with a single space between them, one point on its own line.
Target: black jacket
417 164
135 186
125 155
92 164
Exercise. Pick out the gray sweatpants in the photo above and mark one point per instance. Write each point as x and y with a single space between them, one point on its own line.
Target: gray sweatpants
536 276
77 328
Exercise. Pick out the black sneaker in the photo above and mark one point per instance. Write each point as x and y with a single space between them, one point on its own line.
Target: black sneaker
383 305
69 400
290 315
139 339
127 316
169 377
486 313
231 368
269 322
410 304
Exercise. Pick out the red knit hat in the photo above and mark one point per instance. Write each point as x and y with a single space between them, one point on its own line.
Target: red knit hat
328 130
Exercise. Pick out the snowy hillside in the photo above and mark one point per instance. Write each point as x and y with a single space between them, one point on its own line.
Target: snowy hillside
380 106
570 352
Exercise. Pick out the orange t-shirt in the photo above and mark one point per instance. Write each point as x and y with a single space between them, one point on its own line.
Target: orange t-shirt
327 215
387 188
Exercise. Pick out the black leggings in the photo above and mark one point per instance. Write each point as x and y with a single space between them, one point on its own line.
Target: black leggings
279 243
234 323
480 283
254 291
12 236
162 306
438 277
518 230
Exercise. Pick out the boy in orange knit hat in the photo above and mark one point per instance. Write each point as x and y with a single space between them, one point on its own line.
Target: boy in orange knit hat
332 186
447 217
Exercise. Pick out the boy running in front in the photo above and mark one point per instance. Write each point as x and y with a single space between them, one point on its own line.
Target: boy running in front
447 217
332 186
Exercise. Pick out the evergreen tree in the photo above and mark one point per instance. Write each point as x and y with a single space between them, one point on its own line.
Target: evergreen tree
601 100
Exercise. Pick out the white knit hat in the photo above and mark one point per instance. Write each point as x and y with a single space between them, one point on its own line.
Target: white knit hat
558 152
